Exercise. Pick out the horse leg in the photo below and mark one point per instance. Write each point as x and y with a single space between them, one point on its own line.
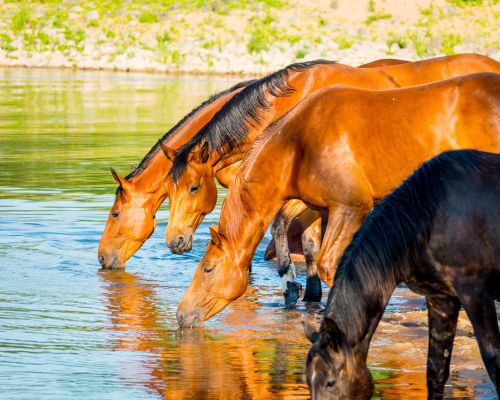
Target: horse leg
311 242
343 221
443 315
286 268
480 309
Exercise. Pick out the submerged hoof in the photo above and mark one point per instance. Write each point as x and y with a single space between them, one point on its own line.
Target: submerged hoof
313 290
292 293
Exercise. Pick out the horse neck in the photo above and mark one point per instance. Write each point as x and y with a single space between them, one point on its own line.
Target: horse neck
303 83
152 179
256 195
357 306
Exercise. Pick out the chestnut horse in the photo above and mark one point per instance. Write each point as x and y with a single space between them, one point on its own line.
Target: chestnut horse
131 220
438 233
223 142
139 195
340 149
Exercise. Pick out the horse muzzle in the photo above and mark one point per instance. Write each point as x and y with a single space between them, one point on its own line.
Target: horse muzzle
109 261
181 244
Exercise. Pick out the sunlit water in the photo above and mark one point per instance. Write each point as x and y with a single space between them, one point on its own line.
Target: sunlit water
68 330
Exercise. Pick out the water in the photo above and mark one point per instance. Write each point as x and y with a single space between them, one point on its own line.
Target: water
68 329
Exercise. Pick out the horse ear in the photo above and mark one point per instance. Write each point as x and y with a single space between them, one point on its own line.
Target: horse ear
330 326
215 235
169 153
333 332
202 155
310 331
122 182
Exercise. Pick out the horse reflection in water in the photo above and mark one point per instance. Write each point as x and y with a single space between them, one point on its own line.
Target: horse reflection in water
261 357
185 364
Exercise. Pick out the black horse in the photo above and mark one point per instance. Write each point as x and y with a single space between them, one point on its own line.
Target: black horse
439 233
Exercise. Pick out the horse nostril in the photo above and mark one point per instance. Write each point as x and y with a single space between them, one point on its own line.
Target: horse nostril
179 318
180 241
102 260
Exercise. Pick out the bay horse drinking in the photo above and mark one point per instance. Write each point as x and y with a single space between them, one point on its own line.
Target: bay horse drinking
340 149
132 220
140 194
224 141
438 233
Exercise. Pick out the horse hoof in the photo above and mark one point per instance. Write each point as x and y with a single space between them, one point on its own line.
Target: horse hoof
313 290
292 293
312 297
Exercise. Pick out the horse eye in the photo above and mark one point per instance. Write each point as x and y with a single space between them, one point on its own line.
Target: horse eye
115 213
207 270
330 384
194 188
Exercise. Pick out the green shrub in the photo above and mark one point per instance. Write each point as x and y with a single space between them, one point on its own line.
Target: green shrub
20 20
148 17
345 42
376 17
300 54
463 3
449 41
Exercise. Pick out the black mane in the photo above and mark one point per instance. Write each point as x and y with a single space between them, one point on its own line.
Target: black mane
229 127
147 158
391 239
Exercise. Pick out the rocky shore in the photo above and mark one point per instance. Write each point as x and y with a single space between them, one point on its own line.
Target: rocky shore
239 36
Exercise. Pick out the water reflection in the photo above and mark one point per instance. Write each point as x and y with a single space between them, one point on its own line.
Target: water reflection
239 363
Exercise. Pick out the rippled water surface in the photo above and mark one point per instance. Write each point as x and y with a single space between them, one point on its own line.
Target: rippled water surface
67 329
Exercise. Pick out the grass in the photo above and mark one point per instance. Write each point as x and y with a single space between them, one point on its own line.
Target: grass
344 42
299 54
422 43
449 41
6 43
148 17
263 33
377 17
464 3
393 39
169 30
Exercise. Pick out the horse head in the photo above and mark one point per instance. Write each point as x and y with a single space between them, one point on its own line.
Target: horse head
130 223
192 194
219 279
336 369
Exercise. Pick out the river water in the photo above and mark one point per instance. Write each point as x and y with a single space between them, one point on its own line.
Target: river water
69 330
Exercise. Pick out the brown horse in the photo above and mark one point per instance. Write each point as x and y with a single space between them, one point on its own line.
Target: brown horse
139 195
340 149
438 233
223 142
132 218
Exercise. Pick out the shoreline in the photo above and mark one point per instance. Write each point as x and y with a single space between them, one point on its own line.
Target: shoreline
241 38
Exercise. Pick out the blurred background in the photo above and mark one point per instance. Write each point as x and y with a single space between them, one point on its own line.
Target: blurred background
240 36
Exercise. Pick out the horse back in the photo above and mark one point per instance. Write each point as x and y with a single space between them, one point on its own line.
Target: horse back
465 239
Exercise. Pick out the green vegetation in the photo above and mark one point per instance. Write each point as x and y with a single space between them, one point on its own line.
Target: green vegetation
300 54
422 43
148 17
449 41
6 43
463 3
263 33
376 17
20 20
344 42
400 41
194 34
